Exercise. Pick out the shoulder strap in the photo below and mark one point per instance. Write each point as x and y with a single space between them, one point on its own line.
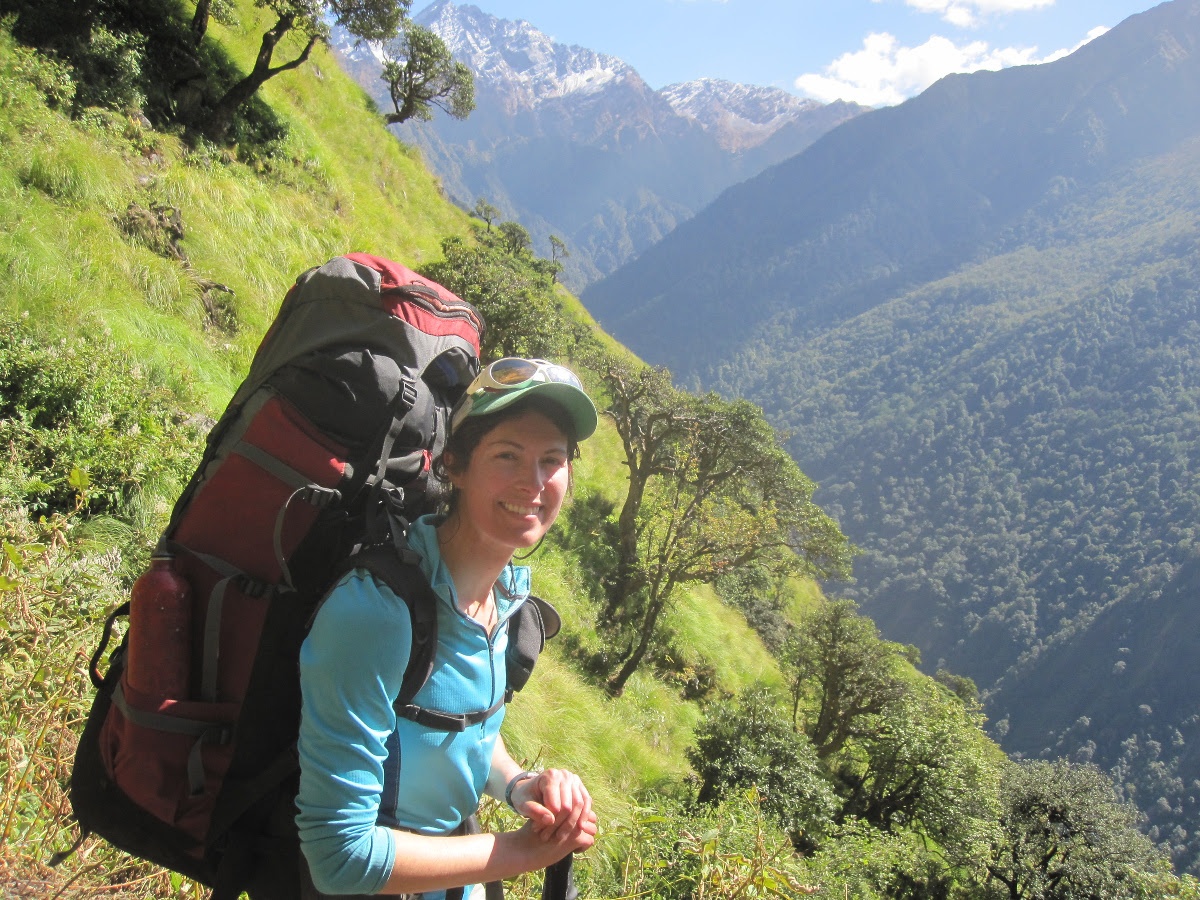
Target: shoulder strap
401 572
533 622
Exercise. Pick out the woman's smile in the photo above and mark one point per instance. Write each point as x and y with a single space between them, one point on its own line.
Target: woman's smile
521 509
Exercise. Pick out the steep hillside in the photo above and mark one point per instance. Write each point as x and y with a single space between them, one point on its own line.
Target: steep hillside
118 345
94 265
976 315
574 143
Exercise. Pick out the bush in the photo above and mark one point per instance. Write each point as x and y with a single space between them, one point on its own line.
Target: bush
749 742
512 292
720 852
81 424
51 78
109 70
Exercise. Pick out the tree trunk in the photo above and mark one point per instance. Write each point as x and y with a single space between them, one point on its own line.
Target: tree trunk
221 118
200 20
627 552
616 684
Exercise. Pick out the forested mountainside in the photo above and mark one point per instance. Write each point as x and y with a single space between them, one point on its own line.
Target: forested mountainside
574 143
901 196
977 316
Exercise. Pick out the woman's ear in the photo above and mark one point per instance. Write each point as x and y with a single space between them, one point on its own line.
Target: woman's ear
450 466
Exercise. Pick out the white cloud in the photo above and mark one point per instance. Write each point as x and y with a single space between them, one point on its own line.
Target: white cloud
884 73
1091 36
968 13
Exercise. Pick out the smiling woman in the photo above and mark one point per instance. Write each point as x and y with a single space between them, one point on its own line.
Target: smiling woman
384 799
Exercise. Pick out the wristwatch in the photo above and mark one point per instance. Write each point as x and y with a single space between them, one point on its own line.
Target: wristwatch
514 781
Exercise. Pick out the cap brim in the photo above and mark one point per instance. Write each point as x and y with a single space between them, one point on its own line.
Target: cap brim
576 403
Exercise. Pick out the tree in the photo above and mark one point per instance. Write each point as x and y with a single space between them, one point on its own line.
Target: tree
843 672
1064 833
710 489
558 251
515 238
924 764
518 304
420 73
748 742
487 212
372 20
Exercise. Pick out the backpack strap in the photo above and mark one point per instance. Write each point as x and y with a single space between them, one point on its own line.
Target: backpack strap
528 629
400 570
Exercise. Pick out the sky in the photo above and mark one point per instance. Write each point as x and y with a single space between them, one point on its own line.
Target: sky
874 52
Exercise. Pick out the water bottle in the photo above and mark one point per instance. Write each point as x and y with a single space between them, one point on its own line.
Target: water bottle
160 625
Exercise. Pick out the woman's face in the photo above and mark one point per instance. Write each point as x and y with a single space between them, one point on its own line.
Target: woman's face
514 483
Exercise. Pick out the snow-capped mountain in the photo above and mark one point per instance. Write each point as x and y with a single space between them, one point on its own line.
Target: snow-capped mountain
741 114
514 55
572 142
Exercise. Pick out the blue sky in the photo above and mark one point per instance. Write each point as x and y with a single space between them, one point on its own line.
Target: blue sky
876 52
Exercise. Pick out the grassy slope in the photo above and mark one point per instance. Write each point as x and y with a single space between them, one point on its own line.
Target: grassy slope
67 265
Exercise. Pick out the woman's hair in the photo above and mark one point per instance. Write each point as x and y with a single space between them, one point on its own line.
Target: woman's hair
471 431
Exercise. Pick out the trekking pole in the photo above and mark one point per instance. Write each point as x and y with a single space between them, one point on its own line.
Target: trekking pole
559 885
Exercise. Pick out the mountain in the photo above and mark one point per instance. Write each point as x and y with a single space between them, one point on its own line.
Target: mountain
978 316
574 143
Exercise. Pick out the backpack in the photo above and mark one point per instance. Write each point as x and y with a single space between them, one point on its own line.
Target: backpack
314 468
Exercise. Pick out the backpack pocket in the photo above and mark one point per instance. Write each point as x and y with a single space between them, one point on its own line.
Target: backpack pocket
168 756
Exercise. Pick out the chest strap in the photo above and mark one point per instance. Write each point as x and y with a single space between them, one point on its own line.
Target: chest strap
443 721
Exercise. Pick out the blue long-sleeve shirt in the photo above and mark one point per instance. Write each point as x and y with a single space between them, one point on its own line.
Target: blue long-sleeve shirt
363 770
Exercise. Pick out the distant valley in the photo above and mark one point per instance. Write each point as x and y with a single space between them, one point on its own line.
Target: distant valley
978 316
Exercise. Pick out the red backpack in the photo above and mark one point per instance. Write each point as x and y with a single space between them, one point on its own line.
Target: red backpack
188 755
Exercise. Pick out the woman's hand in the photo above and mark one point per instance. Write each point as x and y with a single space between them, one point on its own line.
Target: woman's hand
558 807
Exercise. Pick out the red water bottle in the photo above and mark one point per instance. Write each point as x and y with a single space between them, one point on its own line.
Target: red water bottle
160 626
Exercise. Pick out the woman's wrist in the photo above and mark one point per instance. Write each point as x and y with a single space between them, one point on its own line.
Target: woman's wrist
512 785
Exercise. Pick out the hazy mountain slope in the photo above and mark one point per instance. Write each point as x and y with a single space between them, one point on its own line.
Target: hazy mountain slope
1016 448
574 143
902 195
978 314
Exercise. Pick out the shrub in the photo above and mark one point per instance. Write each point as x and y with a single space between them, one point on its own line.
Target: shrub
80 421
109 70
720 852
749 742
51 78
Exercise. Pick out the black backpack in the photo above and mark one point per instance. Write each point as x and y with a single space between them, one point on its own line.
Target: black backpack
317 464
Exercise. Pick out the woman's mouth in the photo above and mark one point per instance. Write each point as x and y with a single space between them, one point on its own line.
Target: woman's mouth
520 509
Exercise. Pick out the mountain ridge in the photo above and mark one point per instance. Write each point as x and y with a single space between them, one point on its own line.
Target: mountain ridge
861 193
575 143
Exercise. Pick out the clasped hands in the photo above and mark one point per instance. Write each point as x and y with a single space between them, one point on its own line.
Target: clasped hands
558 807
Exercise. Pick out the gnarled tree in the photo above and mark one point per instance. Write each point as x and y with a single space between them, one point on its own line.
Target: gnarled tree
710 489
420 74
372 20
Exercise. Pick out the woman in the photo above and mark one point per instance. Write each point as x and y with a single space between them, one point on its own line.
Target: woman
380 795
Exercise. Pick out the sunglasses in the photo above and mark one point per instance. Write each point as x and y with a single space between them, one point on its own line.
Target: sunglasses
507 374
514 372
